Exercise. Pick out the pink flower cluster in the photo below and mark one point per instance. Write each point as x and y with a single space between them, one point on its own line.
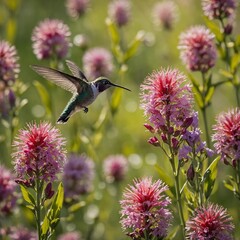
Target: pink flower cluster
119 11
210 222
115 168
9 67
39 152
76 8
8 195
227 136
51 39
97 62
197 49
145 209
78 176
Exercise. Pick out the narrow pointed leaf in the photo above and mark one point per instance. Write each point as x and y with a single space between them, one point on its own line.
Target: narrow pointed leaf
27 196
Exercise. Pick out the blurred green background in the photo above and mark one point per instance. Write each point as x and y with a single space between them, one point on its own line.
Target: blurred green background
124 133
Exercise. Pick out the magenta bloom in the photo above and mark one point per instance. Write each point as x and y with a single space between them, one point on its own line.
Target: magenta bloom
115 168
78 176
77 8
9 67
119 11
210 222
39 152
21 233
166 98
51 39
97 62
197 49
145 209
165 14
8 196
70 236
227 136
219 9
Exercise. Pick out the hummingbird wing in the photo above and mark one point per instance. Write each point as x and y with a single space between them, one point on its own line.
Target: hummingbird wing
64 80
76 71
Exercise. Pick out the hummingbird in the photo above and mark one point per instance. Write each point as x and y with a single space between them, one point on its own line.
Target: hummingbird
83 92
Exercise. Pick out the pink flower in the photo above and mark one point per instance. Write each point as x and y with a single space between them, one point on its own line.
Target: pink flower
115 168
8 196
21 233
77 8
218 8
70 236
78 176
9 67
167 99
97 62
227 136
51 39
210 222
144 209
39 152
165 14
197 49
119 11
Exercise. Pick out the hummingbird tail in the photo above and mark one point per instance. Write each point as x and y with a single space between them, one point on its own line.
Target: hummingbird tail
64 117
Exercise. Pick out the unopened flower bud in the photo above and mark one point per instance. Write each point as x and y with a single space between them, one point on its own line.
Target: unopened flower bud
149 127
190 173
154 141
11 98
48 191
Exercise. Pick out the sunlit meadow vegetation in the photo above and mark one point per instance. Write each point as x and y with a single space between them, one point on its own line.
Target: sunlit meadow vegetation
159 162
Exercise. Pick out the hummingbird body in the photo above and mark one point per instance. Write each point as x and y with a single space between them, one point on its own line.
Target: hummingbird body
84 92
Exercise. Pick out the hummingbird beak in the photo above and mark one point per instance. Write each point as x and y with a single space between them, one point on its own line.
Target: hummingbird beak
115 85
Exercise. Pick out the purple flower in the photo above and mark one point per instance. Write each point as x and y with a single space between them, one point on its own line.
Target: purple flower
39 152
51 39
218 9
166 99
21 233
78 176
119 11
197 49
227 136
165 14
8 196
145 209
97 62
115 168
70 236
9 67
210 222
77 8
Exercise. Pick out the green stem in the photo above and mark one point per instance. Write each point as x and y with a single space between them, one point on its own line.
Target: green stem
204 114
238 178
237 94
38 207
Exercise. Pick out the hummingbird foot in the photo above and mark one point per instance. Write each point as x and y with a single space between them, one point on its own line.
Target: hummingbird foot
85 109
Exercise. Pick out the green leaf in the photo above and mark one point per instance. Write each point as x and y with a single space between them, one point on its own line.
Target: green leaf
75 207
209 95
113 32
116 99
133 47
45 98
214 28
58 201
45 226
226 74
235 62
27 196
209 177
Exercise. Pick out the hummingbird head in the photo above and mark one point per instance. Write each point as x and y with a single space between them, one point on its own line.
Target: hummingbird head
103 83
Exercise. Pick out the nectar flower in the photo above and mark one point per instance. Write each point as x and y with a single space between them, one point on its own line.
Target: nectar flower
119 11
210 222
165 14
51 39
9 67
78 176
197 49
39 152
145 209
8 195
97 62
115 168
218 9
77 8
227 136
70 236
166 98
